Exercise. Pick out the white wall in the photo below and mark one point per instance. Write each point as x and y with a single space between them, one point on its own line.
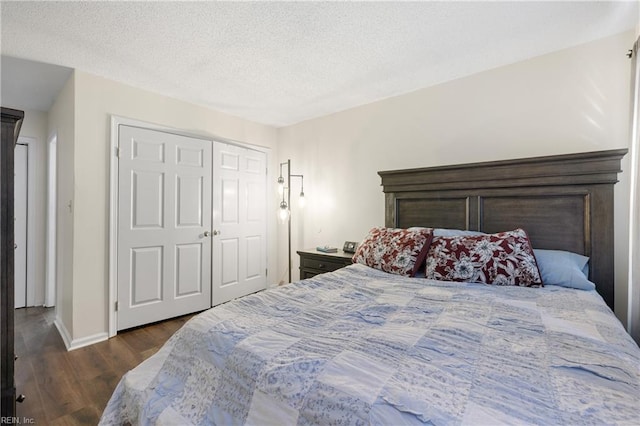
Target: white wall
96 99
565 102
34 129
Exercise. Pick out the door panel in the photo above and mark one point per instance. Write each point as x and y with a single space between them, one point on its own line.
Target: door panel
190 200
146 275
164 209
188 269
230 202
239 249
229 267
148 199
254 253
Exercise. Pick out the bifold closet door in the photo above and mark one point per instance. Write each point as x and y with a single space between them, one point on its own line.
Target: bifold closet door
164 224
239 222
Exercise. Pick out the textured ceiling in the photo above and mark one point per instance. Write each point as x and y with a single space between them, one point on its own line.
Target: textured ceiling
279 63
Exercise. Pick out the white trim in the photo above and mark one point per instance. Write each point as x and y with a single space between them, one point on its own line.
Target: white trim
32 167
51 221
87 341
66 337
113 228
116 122
634 204
31 144
71 344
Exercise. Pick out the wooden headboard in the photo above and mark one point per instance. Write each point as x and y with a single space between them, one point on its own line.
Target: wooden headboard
564 202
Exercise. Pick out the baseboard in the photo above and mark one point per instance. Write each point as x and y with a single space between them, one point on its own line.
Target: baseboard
72 344
66 338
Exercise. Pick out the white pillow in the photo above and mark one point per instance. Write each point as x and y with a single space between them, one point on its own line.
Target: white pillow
443 232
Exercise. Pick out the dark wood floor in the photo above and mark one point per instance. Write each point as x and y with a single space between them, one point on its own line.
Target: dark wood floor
72 388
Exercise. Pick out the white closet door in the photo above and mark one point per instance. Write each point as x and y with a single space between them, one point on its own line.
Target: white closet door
20 223
164 218
239 222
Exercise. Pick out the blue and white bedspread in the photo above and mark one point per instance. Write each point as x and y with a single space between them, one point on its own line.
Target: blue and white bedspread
359 346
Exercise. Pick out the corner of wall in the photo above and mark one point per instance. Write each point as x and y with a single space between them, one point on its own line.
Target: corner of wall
72 344
61 121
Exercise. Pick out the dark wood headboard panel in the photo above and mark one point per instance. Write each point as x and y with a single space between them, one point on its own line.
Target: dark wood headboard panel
564 202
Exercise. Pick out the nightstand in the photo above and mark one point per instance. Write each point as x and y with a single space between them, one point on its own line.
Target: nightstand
314 262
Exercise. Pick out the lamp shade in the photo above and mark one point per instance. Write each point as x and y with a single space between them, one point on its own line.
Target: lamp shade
284 211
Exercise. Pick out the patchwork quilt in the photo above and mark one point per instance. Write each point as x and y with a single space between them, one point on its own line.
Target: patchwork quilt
359 346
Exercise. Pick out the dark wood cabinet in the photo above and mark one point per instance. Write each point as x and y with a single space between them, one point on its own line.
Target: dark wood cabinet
314 262
11 122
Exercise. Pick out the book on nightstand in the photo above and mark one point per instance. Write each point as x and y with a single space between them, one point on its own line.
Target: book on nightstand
327 249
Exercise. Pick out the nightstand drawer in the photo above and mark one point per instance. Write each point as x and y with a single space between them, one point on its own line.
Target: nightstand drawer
321 264
313 262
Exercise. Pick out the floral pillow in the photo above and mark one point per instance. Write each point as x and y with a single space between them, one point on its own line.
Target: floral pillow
397 251
505 258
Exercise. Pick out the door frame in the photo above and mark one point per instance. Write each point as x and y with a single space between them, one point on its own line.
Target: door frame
51 221
116 122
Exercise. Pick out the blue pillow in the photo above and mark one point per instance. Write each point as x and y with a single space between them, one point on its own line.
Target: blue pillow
563 268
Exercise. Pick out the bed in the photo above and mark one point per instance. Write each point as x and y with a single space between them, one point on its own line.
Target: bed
365 346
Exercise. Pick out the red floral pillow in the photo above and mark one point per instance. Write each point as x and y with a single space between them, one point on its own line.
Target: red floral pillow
397 251
505 258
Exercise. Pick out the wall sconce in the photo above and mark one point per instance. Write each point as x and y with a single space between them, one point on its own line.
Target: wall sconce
284 212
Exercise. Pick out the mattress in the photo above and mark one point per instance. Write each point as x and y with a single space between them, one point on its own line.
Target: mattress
360 346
